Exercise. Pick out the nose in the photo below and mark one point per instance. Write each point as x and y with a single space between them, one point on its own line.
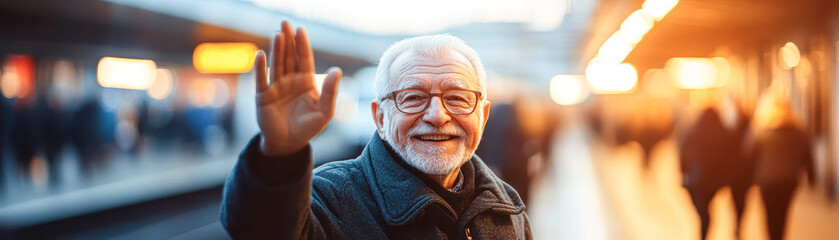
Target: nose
436 114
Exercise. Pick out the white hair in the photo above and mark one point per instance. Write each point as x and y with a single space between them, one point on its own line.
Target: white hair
426 46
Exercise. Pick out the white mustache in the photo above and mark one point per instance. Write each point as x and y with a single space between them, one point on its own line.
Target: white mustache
448 129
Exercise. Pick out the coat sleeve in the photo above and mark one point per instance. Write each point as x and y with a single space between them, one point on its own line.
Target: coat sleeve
270 197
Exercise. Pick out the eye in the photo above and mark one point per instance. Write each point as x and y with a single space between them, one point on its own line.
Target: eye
413 97
456 98
459 98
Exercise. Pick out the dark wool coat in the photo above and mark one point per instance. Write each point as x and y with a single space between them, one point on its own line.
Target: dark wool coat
370 197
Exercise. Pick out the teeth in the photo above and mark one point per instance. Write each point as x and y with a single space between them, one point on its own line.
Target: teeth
434 137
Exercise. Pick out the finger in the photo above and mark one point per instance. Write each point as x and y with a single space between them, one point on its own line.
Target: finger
290 52
277 52
304 51
330 91
261 71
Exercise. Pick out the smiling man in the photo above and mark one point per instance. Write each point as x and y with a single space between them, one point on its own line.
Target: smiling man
418 178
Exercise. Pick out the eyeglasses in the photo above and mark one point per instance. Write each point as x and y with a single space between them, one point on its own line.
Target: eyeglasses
458 102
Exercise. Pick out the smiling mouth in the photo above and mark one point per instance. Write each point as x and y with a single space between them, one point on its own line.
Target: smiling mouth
435 137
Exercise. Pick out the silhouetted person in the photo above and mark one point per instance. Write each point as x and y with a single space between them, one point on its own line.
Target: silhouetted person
24 137
51 134
646 120
711 156
782 150
85 133
741 168
503 146
656 124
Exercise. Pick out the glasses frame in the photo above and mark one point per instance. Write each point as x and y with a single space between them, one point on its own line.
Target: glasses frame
392 96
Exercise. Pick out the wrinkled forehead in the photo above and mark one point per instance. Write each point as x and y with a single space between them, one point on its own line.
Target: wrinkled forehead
450 71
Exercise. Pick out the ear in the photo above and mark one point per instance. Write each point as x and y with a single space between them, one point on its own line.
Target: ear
487 105
378 118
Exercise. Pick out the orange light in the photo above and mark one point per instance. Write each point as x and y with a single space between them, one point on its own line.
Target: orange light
611 78
724 71
699 73
224 57
790 56
9 84
658 8
657 84
126 73
614 50
636 25
18 77
568 90
162 86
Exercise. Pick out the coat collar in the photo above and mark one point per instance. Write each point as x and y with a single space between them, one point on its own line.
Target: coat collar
402 197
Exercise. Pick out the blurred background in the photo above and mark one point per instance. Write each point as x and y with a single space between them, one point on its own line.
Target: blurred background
614 119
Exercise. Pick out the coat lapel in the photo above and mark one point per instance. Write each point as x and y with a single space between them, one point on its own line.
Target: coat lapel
492 194
400 195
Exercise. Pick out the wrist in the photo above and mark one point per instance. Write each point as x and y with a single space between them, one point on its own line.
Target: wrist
276 150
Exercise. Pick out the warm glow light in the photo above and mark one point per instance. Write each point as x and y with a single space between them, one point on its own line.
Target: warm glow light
65 81
568 90
209 93
699 73
790 56
162 86
18 77
201 92
635 26
126 73
657 83
614 50
632 30
9 84
224 57
658 8
804 73
723 71
388 17
609 78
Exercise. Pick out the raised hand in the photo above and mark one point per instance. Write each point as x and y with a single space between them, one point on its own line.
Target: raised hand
289 110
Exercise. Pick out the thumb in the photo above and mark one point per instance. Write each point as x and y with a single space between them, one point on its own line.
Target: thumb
330 90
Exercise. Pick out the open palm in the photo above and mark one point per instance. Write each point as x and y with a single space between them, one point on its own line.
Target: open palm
289 110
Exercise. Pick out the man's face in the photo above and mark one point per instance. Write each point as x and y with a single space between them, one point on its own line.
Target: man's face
434 141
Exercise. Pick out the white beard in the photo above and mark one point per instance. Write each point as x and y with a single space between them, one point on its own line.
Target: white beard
432 161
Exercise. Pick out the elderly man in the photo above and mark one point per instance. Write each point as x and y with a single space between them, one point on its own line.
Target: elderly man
416 179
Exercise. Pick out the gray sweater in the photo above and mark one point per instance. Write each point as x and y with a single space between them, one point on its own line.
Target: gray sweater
370 197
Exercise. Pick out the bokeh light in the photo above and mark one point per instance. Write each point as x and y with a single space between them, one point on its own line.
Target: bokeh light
636 25
790 56
610 78
224 57
658 8
568 90
162 86
126 73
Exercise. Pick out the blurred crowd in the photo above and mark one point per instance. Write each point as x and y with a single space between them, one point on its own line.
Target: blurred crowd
62 117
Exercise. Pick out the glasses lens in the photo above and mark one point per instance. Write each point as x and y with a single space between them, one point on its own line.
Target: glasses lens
460 102
412 101
456 101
